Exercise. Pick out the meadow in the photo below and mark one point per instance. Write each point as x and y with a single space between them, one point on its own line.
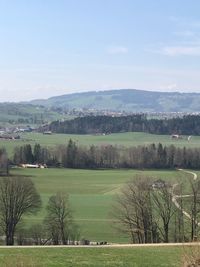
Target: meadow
126 139
92 194
90 257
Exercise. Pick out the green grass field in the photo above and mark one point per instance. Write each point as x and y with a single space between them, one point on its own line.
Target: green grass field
92 257
92 194
126 139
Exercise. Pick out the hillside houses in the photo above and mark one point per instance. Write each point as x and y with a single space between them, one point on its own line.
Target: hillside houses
12 133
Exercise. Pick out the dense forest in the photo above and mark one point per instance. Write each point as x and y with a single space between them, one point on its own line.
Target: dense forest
108 156
187 125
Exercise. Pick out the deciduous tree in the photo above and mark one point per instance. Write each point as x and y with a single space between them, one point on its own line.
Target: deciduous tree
18 196
134 212
59 219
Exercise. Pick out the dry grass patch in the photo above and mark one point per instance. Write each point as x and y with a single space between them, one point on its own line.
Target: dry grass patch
191 257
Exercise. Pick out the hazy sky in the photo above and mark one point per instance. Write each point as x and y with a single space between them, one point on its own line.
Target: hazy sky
53 47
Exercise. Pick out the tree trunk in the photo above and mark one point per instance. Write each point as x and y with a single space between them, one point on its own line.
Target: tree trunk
10 235
64 241
10 239
166 237
192 229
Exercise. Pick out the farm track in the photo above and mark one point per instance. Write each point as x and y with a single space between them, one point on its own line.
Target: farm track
175 197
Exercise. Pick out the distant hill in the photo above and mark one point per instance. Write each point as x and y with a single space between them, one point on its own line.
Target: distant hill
126 100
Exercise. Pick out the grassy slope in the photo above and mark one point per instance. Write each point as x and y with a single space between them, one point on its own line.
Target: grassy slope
93 257
92 194
15 111
126 139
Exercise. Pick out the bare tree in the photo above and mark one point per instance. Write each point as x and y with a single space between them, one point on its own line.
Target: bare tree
18 196
134 212
194 206
53 231
59 219
179 224
162 198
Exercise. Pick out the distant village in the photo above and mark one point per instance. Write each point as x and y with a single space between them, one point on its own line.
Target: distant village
81 112
13 133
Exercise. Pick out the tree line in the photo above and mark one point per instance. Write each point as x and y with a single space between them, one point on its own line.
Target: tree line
186 125
109 156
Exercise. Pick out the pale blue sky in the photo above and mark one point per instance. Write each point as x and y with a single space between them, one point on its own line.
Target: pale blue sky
53 47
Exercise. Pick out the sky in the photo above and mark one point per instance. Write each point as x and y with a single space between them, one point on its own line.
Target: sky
50 48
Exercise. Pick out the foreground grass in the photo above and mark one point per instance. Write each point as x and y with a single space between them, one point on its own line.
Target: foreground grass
92 257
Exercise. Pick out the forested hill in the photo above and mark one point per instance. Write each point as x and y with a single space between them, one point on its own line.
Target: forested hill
127 100
188 125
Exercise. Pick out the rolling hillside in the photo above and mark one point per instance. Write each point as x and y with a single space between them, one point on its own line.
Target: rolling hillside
129 100
25 113
126 100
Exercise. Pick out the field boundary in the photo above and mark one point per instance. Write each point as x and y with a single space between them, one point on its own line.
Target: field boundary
107 246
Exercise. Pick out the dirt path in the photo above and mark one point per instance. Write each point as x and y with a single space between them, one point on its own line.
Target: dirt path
193 173
175 197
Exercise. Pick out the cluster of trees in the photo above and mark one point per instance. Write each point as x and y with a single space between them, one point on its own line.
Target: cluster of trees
147 214
187 125
109 156
19 197
37 154
98 124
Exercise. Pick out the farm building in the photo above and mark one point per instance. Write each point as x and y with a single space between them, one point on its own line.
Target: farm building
34 166
159 184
